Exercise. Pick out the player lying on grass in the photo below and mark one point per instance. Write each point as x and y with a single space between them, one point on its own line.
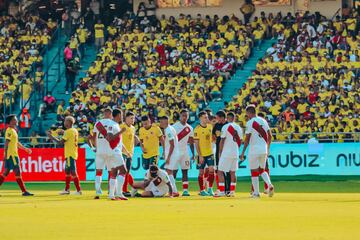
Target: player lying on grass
11 154
70 141
155 184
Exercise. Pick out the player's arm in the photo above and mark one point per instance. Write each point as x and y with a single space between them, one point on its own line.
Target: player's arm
7 142
221 146
91 141
171 150
55 139
124 150
111 137
246 143
192 147
197 147
269 140
136 140
22 147
143 149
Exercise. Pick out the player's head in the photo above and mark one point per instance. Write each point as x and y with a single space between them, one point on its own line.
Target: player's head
260 114
164 121
69 122
230 117
117 115
130 118
212 120
11 120
108 113
153 171
145 121
221 116
184 116
250 111
203 117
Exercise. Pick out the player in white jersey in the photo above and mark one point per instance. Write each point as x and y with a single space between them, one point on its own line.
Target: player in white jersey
156 184
231 137
116 160
170 151
185 134
258 136
102 148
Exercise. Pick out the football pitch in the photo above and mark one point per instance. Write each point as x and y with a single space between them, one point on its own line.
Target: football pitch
319 208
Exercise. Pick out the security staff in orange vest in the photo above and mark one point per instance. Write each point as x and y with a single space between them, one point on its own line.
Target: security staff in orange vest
25 122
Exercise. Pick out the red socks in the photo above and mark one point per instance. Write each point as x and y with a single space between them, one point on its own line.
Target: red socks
217 180
130 180
201 182
21 184
232 187
185 185
2 179
221 187
125 185
77 183
67 182
265 185
211 179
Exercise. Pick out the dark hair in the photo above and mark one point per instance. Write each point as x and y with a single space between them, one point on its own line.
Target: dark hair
221 113
231 114
144 118
116 112
9 118
153 168
164 117
129 114
211 117
184 111
251 109
202 113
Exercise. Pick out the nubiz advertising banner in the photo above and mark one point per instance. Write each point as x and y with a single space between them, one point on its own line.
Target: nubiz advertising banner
284 160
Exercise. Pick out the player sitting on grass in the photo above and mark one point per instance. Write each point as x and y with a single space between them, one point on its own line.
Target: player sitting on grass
70 141
11 154
155 184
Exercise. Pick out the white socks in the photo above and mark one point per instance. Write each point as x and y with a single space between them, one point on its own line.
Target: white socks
255 183
112 187
265 176
173 183
120 183
98 184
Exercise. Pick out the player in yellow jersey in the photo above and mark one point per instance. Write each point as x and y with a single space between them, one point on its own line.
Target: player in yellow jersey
70 141
11 157
150 135
129 141
204 150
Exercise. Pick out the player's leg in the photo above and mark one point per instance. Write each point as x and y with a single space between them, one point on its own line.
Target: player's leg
221 168
147 194
99 165
120 181
172 180
227 182
185 166
266 187
210 162
4 175
206 177
232 171
202 191
265 176
66 191
128 166
20 182
254 167
175 173
112 183
145 163
75 176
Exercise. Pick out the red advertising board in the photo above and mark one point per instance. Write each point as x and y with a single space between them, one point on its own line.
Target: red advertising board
45 164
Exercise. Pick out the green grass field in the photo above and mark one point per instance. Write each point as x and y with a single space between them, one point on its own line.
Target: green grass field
303 208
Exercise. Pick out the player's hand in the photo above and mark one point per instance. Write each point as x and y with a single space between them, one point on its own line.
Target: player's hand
201 159
28 150
242 157
109 137
167 160
144 150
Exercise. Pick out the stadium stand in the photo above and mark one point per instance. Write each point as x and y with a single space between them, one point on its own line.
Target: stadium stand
159 69
308 81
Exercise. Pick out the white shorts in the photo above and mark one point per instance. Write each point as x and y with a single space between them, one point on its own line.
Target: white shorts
155 190
257 161
101 161
227 164
116 160
173 164
185 161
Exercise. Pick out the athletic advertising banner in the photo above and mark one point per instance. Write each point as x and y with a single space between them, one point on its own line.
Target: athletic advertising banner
284 160
45 164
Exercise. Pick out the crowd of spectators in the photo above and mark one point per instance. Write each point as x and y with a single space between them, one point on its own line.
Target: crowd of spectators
308 81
